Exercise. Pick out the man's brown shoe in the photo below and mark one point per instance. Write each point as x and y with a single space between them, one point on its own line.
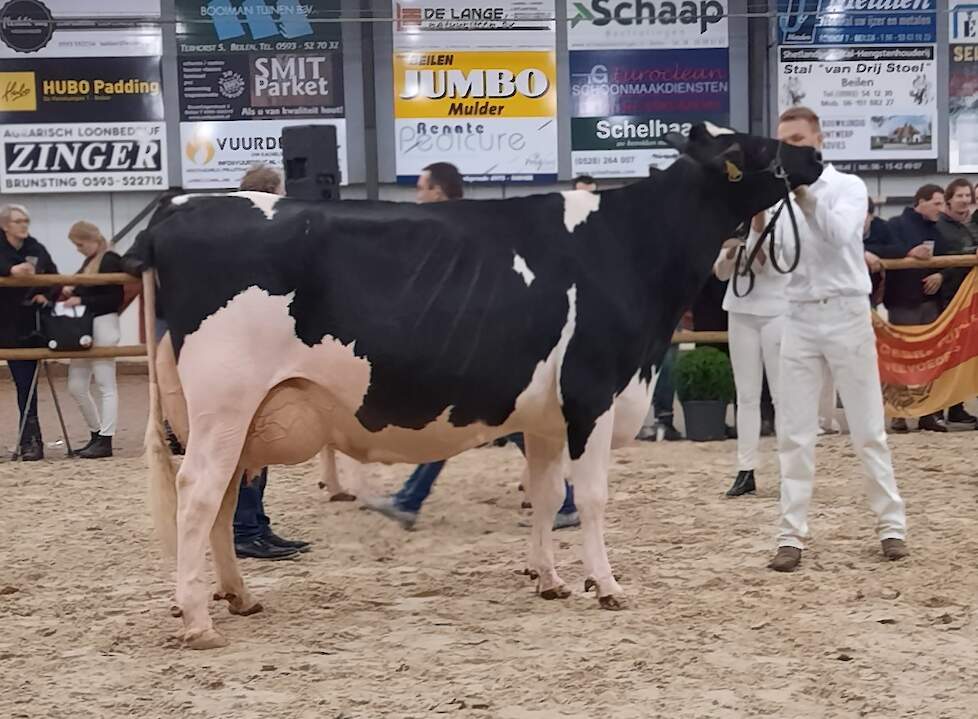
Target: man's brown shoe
786 560
894 549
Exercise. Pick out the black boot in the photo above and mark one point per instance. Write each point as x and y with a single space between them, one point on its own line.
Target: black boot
744 484
101 447
91 441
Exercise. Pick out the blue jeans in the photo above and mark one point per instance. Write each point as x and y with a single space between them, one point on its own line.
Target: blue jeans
250 520
664 393
22 372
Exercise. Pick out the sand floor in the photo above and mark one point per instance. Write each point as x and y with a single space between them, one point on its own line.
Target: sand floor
379 622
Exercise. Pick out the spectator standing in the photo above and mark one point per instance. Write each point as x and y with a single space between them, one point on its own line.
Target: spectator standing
21 255
253 535
911 296
102 303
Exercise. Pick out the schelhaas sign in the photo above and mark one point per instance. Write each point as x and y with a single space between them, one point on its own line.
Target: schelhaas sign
640 12
98 156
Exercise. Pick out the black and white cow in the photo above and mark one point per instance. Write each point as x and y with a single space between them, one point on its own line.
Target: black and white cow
410 333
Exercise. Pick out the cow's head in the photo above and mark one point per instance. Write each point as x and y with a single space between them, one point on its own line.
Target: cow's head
750 169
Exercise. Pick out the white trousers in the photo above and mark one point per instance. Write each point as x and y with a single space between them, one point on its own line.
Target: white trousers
80 371
755 348
838 333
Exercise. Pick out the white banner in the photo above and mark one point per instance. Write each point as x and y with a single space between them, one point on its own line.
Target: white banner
493 150
452 25
83 157
217 154
612 24
876 103
72 28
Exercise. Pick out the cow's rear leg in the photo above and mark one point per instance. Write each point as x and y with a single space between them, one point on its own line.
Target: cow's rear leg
546 490
230 583
210 465
589 474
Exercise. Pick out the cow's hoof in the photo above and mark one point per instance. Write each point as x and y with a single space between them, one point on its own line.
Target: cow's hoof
561 592
236 609
611 603
342 497
208 639
176 611
527 572
590 584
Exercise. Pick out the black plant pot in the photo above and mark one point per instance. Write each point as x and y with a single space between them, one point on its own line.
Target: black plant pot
706 421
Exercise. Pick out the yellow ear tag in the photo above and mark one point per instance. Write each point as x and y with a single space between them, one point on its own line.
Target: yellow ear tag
733 172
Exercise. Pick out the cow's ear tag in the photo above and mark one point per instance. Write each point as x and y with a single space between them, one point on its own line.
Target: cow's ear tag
733 172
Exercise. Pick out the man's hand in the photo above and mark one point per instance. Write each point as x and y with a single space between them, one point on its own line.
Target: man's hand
921 252
873 262
758 221
932 283
24 269
731 247
72 301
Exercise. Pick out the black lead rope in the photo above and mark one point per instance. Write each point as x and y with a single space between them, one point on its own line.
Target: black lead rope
768 234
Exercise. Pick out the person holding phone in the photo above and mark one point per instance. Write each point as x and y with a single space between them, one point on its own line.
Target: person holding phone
22 256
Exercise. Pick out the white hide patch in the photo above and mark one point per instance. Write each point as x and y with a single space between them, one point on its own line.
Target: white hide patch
717 131
578 204
523 270
264 201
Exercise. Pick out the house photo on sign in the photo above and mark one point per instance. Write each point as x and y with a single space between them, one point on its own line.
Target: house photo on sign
963 87
242 63
475 85
870 72
81 97
639 71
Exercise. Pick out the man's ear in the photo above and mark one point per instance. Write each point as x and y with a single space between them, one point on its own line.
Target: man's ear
730 162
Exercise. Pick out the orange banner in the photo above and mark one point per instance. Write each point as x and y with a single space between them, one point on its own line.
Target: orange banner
928 368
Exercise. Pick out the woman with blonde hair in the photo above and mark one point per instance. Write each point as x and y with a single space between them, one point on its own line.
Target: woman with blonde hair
103 302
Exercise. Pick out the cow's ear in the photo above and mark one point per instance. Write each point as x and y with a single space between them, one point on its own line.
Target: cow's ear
676 141
730 162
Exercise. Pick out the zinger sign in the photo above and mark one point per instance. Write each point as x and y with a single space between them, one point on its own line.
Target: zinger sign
462 84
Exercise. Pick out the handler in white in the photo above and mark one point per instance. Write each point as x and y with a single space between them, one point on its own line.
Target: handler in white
828 322
755 346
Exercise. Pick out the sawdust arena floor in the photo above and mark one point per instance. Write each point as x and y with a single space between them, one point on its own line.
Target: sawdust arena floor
378 622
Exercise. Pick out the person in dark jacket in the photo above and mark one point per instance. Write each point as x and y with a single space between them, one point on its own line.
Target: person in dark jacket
911 296
960 237
102 302
21 256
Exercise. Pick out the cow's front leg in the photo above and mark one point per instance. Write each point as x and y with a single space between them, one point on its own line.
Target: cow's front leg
546 491
589 474
230 583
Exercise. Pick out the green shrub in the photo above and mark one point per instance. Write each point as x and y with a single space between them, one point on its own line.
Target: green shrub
704 374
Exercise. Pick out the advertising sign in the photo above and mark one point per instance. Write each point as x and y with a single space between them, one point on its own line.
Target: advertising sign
255 60
81 100
868 68
476 86
637 75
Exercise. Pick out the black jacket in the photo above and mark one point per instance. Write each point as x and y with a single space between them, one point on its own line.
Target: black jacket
102 299
905 288
17 316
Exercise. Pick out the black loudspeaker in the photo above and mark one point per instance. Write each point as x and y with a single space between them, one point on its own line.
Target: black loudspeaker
311 161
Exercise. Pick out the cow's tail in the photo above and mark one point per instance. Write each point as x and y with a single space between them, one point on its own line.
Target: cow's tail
162 476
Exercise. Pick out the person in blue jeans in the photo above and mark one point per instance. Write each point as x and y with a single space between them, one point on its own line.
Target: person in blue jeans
405 504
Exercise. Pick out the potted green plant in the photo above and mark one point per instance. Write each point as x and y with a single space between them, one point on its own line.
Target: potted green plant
705 386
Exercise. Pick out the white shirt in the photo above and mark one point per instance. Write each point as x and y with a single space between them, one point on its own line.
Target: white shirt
767 298
830 228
